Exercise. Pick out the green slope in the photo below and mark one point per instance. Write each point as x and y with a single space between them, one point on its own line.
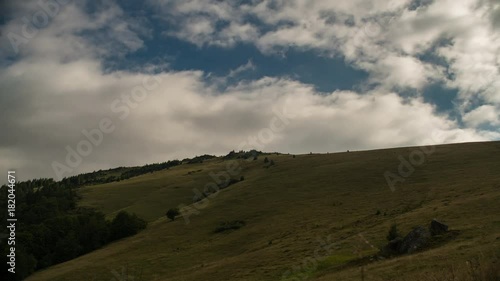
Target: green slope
292 206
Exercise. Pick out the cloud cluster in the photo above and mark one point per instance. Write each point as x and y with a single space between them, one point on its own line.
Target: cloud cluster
389 39
58 86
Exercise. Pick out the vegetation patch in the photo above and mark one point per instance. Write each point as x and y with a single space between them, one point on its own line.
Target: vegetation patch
418 239
243 154
198 159
54 230
335 261
220 186
172 213
229 225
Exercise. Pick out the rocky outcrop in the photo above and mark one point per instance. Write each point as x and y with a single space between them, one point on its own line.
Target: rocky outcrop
416 240
437 228
392 248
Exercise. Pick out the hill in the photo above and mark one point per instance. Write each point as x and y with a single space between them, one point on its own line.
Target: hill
314 216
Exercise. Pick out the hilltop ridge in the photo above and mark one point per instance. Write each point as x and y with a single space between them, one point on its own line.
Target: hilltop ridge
312 216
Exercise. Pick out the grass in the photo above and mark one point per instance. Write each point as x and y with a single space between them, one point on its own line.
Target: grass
476 269
290 208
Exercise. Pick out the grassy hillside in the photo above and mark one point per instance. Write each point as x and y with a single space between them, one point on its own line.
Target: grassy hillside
315 217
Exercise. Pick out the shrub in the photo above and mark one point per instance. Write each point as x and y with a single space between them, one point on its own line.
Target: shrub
242 178
266 160
25 264
198 198
172 213
125 224
229 225
393 233
226 184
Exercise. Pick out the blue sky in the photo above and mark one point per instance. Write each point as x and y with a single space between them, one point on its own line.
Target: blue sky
352 75
325 72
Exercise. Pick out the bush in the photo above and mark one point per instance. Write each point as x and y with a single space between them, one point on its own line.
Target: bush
242 178
229 225
67 248
172 213
125 224
266 160
393 233
25 264
226 184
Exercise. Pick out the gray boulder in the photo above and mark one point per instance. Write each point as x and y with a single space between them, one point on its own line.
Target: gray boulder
437 228
416 240
392 248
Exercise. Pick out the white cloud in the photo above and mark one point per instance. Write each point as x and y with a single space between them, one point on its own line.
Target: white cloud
485 114
186 116
61 38
242 68
61 88
384 38
406 71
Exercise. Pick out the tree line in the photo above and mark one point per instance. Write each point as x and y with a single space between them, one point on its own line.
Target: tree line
51 228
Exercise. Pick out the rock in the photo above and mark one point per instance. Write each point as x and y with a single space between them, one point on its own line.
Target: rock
416 240
395 244
437 227
392 248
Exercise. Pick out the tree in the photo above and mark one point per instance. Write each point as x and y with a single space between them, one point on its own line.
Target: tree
54 229
25 264
172 213
93 230
125 224
67 248
393 233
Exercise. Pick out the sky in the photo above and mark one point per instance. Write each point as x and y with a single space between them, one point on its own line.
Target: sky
89 85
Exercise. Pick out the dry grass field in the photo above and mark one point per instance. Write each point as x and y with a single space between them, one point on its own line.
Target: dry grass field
308 217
